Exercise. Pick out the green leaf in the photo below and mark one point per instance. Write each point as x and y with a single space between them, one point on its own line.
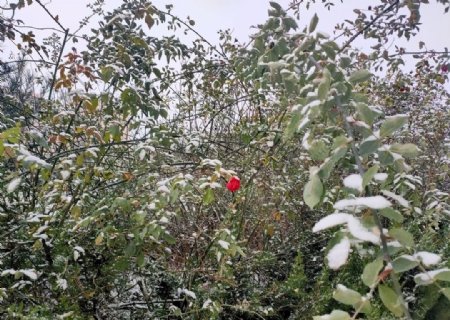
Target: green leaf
359 76
368 176
121 263
149 20
403 236
390 299
368 146
313 23
364 306
346 296
313 191
385 157
328 165
334 315
275 5
392 124
446 292
371 271
392 214
443 275
318 150
293 125
365 113
404 263
106 73
408 150
323 89
208 197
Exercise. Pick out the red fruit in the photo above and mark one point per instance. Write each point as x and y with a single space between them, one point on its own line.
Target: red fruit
234 184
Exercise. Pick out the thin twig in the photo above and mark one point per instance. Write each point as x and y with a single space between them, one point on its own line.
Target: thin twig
367 26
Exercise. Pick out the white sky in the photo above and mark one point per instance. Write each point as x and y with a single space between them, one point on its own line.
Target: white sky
240 15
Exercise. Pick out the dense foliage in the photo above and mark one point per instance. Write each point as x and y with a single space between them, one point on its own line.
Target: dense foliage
294 176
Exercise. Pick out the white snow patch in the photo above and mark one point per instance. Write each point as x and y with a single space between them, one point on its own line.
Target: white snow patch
13 185
330 221
402 201
428 277
338 255
380 176
354 181
428 258
376 202
360 232
224 244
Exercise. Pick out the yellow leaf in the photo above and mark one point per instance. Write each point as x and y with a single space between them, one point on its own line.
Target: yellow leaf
99 239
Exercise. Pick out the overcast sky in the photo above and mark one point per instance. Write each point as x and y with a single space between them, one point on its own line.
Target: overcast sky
240 15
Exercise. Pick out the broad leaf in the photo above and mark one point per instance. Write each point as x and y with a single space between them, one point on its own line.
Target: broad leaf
392 124
371 271
313 191
391 300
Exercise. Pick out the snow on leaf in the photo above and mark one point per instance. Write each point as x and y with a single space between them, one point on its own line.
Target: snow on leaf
360 232
426 278
13 185
354 181
376 202
338 255
331 221
428 258
380 176
402 201
224 244
30 159
30 273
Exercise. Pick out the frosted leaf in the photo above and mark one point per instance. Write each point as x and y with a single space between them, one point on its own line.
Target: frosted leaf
62 284
360 232
427 278
13 185
187 292
380 176
376 202
428 258
331 221
402 201
30 273
65 174
224 244
163 189
354 181
30 159
338 255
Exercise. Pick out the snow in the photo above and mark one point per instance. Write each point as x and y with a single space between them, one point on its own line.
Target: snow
33 159
163 189
427 258
360 232
187 292
330 221
224 244
354 226
354 181
426 278
376 202
305 142
380 176
338 255
402 201
13 185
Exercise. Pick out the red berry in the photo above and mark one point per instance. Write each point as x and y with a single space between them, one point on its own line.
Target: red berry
234 184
